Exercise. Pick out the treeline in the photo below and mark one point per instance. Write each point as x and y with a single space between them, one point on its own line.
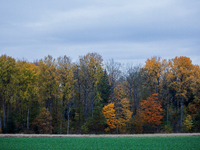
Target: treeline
89 96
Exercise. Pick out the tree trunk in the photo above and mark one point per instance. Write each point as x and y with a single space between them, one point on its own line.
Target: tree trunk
28 121
79 97
131 101
92 103
50 116
117 128
64 118
63 114
181 111
0 122
85 100
167 111
4 119
68 120
22 123
135 101
61 124
7 115
112 90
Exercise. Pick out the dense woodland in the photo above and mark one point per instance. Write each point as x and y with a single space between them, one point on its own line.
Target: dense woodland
92 96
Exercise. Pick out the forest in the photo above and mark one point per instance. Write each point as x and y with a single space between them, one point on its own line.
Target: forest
91 96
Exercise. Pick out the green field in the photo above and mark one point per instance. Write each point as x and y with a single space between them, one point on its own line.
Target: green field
51 143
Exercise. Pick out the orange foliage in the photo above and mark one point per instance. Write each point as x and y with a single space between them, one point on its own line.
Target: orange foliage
151 111
109 113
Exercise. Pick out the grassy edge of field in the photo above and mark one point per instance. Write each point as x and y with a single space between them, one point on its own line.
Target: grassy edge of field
101 135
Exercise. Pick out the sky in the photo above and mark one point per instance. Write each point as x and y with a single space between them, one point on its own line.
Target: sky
128 31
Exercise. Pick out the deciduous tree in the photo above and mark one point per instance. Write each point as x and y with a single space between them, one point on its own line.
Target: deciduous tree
151 110
42 122
49 87
109 113
182 73
7 74
28 85
65 72
114 72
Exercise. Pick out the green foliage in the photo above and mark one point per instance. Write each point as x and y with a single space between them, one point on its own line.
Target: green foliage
85 128
97 122
104 87
167 129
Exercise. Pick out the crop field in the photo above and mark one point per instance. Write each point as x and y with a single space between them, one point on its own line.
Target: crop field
80 143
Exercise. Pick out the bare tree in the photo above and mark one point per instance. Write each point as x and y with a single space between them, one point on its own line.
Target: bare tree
132 83
114 72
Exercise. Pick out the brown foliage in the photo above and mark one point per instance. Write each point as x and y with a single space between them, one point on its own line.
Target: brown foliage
42 121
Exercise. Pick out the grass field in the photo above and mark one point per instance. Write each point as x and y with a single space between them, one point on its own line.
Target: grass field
79 143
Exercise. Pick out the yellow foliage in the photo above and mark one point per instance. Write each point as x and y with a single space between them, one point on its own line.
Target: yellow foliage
182 70
107 129
109 113
188 123
125 115
153 66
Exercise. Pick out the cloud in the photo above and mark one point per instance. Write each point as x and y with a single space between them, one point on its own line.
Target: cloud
125 30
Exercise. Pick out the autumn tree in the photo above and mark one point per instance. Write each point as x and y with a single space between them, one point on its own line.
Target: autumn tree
93 98
42 121
153 67
49 88
7 74
187 123
109 113
122 106
91 71
125 115
28 85
66 86
151 110
195 86
182 71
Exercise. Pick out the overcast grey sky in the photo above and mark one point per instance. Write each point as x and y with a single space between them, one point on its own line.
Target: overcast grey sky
125 30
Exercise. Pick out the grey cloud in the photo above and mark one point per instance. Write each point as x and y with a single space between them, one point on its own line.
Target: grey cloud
126 30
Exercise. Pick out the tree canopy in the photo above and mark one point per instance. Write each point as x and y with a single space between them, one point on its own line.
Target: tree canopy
95 96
